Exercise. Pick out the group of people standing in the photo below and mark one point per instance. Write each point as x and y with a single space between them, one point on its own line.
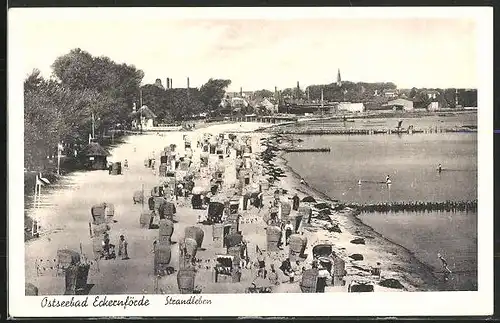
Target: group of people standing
109 249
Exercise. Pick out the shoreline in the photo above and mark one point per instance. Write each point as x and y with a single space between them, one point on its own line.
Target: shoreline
396 261
424 271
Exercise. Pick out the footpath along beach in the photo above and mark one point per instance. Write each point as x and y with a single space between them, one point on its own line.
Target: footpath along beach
65 225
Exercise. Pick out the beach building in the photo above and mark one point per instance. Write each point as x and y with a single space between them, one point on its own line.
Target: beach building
400 104
145 118
436 100
241 94
239 103
351 107
391 93
95 156
265 106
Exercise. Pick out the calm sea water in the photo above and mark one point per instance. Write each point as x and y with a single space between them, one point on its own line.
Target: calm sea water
453 235
411 162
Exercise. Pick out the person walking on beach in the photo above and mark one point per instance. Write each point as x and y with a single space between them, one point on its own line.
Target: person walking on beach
295 202
260 201
439 168
123 248
273 276
261 258
288 231
388 180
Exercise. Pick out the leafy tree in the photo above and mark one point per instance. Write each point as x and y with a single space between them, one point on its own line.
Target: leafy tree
61 110
53 114
262 94
212 92
288 93
118 84
413 92
33 81
156 99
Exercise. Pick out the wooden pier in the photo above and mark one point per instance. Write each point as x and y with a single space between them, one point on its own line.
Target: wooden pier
304 150
342 131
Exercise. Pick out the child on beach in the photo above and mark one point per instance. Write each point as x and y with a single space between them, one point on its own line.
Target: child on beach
123 248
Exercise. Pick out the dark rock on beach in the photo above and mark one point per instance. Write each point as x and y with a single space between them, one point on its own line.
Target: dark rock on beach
391 283
356 256
358 241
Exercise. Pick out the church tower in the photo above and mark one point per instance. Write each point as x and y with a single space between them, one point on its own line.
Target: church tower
339 79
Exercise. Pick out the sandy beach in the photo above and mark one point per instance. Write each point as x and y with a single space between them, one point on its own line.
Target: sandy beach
65 225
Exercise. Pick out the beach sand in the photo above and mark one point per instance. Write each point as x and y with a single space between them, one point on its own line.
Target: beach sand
65 225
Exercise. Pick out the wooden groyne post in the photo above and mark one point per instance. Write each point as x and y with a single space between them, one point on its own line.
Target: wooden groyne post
417 206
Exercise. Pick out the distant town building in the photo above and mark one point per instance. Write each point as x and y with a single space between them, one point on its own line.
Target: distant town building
265 106
431 94
239 102
144 118
158 84
400 104
389 93
351 107
242 94
436 100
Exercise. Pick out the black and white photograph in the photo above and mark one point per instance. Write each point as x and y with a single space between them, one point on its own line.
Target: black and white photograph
177 160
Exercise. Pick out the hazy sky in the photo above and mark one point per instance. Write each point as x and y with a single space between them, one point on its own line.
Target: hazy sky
258 54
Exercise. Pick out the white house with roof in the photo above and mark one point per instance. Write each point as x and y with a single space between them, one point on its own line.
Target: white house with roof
391 93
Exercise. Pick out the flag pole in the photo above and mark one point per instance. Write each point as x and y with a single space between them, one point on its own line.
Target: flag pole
93 126
36 191
58 158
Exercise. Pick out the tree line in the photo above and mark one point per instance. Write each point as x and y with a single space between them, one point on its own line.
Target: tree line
83 88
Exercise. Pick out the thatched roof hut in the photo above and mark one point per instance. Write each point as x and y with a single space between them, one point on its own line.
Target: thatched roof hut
94 149
95 156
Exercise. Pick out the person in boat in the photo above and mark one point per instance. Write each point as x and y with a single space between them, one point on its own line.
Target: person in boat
439 168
